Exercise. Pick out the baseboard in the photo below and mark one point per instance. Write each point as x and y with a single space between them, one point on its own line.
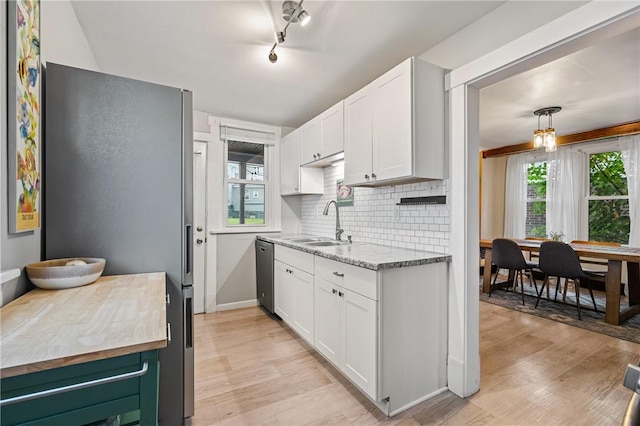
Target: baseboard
458 383
237 305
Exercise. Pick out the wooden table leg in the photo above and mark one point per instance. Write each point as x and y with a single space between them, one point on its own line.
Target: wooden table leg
633 283
633 270
612 285
486 278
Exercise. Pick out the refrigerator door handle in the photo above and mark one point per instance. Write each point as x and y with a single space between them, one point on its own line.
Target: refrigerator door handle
189 390
188 254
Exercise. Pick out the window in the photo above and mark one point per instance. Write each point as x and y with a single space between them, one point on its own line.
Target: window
246 182
535 223
608 198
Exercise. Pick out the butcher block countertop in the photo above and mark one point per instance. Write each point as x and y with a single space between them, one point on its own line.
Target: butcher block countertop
116 315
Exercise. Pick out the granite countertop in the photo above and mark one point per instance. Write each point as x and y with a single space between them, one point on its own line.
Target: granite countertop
116 315
365 255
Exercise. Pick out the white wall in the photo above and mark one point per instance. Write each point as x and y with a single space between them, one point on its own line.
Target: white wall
62 41
493 186
375 218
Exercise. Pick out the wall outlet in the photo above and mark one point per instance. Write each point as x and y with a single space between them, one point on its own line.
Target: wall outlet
396 213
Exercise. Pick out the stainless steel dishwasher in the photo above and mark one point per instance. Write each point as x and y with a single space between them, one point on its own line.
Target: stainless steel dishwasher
264 274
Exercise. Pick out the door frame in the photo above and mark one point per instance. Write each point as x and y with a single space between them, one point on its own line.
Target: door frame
584 26
210 302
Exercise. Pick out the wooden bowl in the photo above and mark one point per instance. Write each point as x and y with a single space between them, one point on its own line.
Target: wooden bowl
54 274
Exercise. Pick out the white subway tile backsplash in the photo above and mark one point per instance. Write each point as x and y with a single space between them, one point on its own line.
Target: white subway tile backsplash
375 218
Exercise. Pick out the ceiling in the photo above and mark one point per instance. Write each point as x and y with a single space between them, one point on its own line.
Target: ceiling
596 87
219 49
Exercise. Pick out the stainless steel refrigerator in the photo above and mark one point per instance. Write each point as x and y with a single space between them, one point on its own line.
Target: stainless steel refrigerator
117 184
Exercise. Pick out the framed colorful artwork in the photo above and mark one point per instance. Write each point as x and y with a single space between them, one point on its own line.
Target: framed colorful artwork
344 194
24 115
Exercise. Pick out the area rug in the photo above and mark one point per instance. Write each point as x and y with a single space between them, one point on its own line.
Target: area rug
566 312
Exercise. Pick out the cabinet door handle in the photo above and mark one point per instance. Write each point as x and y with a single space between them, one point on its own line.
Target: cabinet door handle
77 386
334 291
366 176
341 294
338 274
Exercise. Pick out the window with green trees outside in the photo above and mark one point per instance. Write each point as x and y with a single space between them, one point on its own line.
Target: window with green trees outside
608 198
536 221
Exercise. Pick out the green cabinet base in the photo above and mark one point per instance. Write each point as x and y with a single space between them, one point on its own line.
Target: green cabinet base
87 405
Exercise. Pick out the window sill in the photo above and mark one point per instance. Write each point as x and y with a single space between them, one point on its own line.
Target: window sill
244 231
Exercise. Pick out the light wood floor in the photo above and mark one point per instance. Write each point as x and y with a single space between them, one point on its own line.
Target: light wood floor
253 370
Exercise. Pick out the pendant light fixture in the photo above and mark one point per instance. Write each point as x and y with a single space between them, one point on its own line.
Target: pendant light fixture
291 12
546 137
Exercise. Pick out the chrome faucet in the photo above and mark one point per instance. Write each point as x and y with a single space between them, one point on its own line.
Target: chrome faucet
326 212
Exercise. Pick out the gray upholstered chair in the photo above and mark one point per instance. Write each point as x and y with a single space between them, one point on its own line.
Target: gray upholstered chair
506 254
559 260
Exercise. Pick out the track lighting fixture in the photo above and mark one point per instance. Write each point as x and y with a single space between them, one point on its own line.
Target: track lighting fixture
546 137
291 12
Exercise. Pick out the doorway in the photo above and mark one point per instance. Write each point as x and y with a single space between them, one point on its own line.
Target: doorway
199 224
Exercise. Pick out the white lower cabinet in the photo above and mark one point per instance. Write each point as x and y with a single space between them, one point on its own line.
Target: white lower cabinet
303 304
359 329
346 321
284 288
294 292
327 313
385 330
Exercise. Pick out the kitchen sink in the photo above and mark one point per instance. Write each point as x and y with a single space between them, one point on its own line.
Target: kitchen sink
309 239
326 243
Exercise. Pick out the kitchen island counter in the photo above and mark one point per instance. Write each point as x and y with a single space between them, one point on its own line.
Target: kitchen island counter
116 315
364 255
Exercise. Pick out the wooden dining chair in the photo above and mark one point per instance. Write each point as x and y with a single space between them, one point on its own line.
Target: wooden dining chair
559 260
506 254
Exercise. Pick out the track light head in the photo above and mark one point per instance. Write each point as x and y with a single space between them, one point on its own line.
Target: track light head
273 58
304 18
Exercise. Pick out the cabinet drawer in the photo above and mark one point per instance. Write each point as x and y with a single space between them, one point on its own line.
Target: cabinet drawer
295 258
359 280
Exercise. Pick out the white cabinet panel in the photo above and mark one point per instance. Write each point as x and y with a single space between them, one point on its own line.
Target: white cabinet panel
293 178
358 126
296 258
284 289
354 278
310 139
392 118
303 318
327 320
394 127
332 130
359 342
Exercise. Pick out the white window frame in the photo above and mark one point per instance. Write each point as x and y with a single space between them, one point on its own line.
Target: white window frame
267 188
596 147
218 158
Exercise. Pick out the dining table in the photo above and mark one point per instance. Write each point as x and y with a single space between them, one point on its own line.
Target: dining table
614 257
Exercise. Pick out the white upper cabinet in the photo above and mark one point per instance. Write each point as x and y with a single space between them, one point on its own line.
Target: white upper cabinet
293 178
394 127
332 130
310 139
323 136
